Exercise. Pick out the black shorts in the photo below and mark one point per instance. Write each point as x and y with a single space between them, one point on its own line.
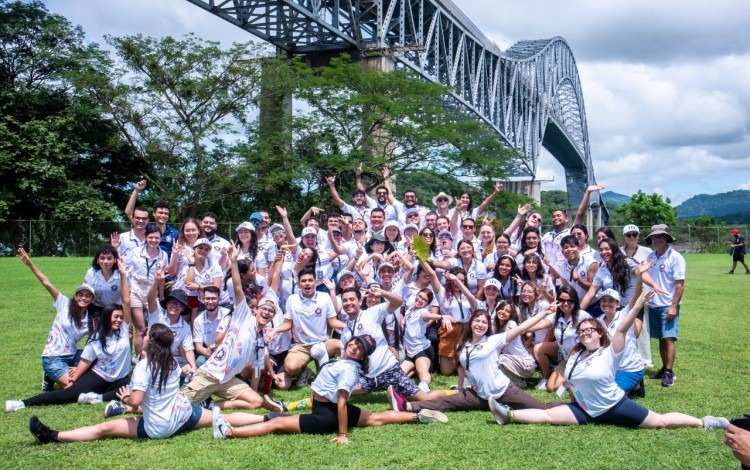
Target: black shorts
625 413
740 258
429 353
324 418
279 360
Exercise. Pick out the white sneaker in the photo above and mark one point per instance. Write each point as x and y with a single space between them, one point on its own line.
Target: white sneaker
304 378
500 411
430 416
13 405
542 385
90 397
319 352
712 422
220 426
424 387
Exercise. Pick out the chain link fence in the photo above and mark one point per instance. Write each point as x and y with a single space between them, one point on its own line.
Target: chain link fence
81 238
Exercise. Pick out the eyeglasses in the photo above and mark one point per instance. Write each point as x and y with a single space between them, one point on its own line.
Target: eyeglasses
586 331
631 235
266 309
565 301
141 219
210 299
468 227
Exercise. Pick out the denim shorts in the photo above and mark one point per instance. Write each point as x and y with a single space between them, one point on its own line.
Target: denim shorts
195 416
659 326
57 366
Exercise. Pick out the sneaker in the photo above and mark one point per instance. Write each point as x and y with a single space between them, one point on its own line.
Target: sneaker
500 411
219 424
13 405
712 422
639 391
274 405
114 408
424 387
320 354
398 402
304 378
747 272
90 397
453 387
42 433
542 385
668 379
730 272
430 416
659 375
208 403
47 384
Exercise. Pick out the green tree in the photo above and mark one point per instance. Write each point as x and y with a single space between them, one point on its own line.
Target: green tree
181 103
59 159
649 209
358 115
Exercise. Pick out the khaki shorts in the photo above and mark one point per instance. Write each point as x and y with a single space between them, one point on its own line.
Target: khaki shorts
138 298
204 385
301 353
448 340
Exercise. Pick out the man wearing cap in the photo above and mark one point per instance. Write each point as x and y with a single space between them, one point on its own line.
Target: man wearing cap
668 271
209 225
737 250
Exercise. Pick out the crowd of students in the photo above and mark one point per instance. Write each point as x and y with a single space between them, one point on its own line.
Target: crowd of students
379 296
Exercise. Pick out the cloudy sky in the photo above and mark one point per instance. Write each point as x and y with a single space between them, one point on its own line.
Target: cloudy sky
666 84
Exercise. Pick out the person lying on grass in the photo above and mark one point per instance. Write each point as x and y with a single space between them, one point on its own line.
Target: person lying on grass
331 411
590 378
155 389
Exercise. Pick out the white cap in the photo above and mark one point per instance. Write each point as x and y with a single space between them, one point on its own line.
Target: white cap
246 226
611 293
630 228
493 282
202 241
309 231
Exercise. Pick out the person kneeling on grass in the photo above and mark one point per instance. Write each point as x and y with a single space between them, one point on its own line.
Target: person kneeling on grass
479 362
330 411
155 389
590 378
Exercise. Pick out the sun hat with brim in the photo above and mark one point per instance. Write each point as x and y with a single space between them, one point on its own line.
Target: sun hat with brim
246 226
611 293
201 241
659 229
440 196
177 295
378 237
87 288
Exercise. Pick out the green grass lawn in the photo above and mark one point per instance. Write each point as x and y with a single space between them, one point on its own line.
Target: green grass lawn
712 355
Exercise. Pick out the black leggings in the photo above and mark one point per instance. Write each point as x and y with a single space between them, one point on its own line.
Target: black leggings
88 382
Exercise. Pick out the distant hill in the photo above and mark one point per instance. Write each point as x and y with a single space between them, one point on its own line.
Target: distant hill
720 205
612 198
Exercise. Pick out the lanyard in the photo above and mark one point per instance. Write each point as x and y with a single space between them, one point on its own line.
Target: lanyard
352 325
572 369
260 344
563 327
149 265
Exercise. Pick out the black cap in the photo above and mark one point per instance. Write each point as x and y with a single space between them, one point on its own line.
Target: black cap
368 344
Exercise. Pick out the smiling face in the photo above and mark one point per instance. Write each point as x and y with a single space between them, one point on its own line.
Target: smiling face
559 219
161 215
152 240
310 240
264 314
570 251
382 195
503 314
307 284
377 219
392 233
354 351
528 295
504 267
491 292
609 305
502 245
442 202
202 251
421 300
244 235
534 220
116 319
174 309
140 219
589 334
531 264
209 226
565 303
605 251
410 199
659 242
532 240
486 234
350 303
107 260
211 301
479 326
430 220
466 251
580 236
190 231
83 299
386 274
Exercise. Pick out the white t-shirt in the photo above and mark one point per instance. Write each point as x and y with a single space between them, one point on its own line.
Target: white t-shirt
181 329
456 307
128 242
415 331
334 376
204 329
107 291
592 380
630 359
666 271
581 270
165 412
516 347
482 365
142 268
369 322
566 331
64 336
113 364
241 345
217 243
309 317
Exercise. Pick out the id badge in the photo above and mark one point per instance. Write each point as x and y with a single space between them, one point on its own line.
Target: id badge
562 388
319 274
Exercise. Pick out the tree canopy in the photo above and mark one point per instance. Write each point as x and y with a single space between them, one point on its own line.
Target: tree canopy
648 209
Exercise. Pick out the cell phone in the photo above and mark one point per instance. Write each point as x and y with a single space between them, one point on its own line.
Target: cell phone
743 422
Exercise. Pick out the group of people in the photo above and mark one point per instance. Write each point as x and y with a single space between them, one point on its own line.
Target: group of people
379 296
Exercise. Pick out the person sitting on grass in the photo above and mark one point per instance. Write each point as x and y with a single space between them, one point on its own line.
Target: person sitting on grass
590 378
105 361
331 411
73 321
478 355
154 390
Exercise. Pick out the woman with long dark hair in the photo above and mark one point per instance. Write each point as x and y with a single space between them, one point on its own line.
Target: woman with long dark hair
154 391
73 321
105 361
506 272
103 275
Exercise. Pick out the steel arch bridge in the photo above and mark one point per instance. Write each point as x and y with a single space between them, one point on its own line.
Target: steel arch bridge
529 94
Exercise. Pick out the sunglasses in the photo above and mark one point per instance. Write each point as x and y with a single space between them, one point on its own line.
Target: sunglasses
565 301
631 235
468 227
442 199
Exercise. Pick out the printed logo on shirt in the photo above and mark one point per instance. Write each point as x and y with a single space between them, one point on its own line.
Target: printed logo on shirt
220 353
663 266
168 239
318 312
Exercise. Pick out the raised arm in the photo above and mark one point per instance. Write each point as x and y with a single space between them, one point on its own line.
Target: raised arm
488 200
312 211
334 192
387 185
584 205
464 289
239 294
124 291
434 281
287 226
394 300
529 323
358 178
618 340
130 206
25 259
522 211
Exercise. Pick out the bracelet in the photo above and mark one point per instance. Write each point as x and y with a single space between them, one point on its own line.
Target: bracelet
191 265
